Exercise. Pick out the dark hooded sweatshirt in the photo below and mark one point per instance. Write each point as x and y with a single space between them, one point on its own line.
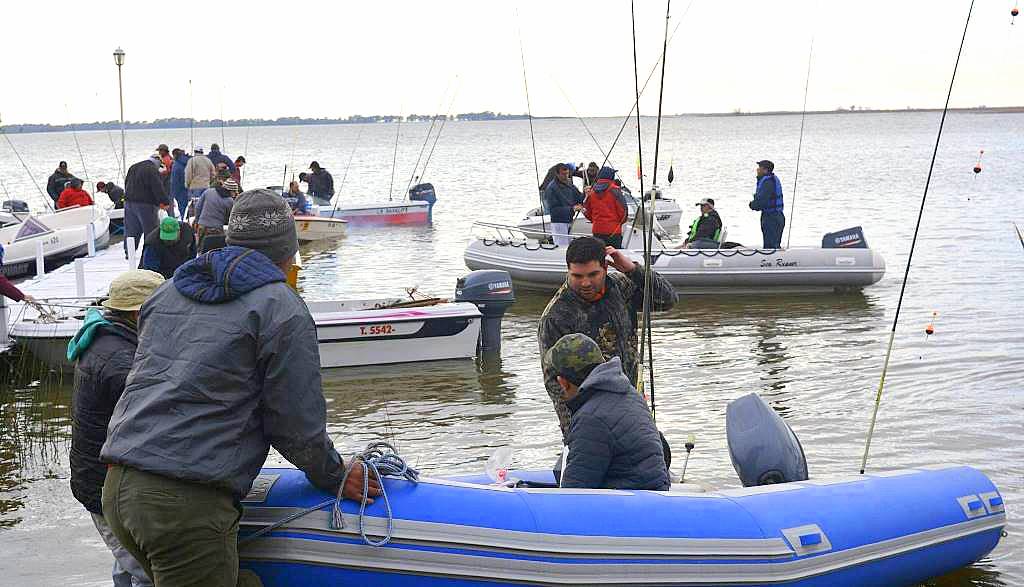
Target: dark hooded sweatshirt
613 442
227 367
103 348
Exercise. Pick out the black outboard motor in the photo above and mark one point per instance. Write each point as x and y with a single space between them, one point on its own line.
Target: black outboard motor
491 291
424 192
763 448
850 238
14 206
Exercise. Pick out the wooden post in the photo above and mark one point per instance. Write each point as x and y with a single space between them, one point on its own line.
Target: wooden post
133 262
4 338
80 278
90 236
40 259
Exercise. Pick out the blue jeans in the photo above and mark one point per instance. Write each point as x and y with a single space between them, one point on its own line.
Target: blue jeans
772 225
139 220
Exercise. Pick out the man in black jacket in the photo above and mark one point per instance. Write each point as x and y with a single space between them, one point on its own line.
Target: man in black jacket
321 185
113 191
613 442
58 180
104 348
144 196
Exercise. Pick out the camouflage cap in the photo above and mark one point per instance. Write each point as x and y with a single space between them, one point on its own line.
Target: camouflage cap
573 356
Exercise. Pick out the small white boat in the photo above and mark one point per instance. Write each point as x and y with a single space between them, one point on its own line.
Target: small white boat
64 235
666 211
375 332
13 211
537 266
381 213
314 228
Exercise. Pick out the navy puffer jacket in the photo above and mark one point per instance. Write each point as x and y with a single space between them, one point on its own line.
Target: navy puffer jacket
613 442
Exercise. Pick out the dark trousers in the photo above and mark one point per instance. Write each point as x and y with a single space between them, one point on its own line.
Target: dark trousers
139 220
612 240
181 533
772 225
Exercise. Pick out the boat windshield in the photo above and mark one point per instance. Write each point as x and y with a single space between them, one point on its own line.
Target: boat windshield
31 227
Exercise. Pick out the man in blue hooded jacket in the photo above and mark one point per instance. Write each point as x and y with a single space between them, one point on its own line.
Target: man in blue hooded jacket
768 200
227 367
562 199
179 191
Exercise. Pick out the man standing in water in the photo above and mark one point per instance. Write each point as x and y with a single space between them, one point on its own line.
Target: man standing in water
768 199
227 366
599 305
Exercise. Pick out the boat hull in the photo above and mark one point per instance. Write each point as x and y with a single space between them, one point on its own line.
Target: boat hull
893 528
385 213
699 271
315 228
66 240
399 335
534 226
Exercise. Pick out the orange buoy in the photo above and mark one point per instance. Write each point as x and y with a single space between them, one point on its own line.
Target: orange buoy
1013 14
977 166
930 329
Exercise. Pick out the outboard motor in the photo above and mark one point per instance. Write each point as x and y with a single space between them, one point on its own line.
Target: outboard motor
491 291
763 448
850 238
14 206
424 192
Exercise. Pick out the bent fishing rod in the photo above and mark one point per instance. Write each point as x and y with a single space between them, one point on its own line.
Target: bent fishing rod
800 144
44 195
913 243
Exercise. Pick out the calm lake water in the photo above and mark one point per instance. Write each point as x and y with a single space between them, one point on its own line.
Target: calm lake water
952 397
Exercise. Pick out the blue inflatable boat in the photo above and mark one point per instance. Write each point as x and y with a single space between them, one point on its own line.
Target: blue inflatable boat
892 528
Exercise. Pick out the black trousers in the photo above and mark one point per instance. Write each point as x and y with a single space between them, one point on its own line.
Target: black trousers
612 240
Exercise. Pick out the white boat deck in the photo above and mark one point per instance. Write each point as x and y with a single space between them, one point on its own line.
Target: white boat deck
83 281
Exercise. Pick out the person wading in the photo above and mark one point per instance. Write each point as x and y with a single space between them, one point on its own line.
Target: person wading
227 367
103 350
601 305
768 199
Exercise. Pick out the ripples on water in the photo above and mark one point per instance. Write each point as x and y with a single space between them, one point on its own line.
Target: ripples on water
951 397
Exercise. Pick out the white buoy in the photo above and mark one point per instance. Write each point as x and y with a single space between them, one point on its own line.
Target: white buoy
80 278
132 260
90 236
40 259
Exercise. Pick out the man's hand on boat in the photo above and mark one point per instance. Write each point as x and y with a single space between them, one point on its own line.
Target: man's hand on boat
353 488
619 260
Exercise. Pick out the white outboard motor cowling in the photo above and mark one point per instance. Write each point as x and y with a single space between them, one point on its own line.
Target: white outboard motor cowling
763 448
491 291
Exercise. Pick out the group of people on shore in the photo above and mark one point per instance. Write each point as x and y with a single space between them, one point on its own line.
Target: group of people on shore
603 202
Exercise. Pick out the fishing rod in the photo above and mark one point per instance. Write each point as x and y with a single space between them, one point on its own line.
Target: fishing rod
74 134
437 137
913 242
45 196
426 139
643 209
117 160
800 144
529 117
223 142
1015 227
337 198
191 119
394 158
583 122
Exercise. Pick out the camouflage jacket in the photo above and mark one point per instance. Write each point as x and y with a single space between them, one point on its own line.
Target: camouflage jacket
610 321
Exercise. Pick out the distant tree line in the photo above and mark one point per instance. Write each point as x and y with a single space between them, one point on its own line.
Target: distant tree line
283 121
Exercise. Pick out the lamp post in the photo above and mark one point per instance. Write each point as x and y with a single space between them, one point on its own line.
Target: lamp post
119 60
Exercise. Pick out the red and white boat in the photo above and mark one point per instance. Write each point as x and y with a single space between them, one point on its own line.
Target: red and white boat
418 209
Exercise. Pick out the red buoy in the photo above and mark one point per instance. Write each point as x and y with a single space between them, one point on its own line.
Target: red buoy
1013 14
977 166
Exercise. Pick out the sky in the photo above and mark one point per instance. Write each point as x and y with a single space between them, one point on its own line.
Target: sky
267 60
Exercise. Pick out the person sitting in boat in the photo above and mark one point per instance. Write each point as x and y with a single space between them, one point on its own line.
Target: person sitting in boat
296 199
58 180
103 351
320 185
613 442
227 367
113 191
8 289
605 207
601 305
169 247
213 210
74 195
574 171
562 200
706 230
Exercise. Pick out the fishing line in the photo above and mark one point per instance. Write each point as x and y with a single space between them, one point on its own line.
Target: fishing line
800 144
580 118
191 119
117 160
437 137
223 142
913 242
394 157
46 197
1019 234
643 210
529 117
337 197
426 139
74 134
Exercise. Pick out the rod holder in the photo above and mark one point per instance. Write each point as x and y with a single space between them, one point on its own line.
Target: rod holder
80 278
40 259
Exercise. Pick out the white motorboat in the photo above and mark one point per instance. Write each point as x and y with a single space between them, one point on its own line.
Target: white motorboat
314 228
64 235
537 224
842 263
13 211
417 209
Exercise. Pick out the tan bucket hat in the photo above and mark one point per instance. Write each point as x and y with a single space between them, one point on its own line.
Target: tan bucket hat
129 290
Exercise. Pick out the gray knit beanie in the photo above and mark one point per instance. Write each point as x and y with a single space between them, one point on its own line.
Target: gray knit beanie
262 220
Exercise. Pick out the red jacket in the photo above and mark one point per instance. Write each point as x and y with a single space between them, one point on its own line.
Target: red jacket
73 197
605 207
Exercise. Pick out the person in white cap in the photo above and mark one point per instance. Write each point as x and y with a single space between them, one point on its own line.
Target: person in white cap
103 351
706 230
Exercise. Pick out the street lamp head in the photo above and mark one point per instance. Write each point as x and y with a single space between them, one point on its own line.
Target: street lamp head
119 57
